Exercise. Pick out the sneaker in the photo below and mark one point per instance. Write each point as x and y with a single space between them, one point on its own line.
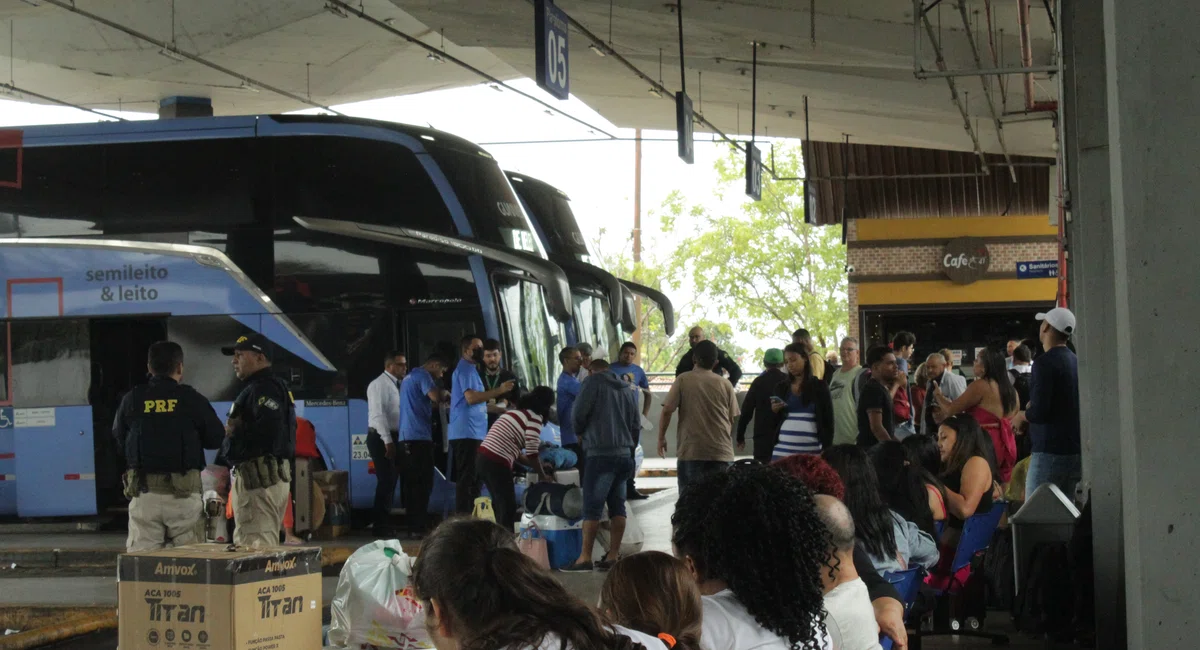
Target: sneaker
604 565
636 496
578 567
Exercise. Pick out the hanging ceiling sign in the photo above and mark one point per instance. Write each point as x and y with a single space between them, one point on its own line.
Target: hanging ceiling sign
965 260
683 127
753 172
553 55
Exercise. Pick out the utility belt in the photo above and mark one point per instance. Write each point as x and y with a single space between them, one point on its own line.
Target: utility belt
178 485
262 472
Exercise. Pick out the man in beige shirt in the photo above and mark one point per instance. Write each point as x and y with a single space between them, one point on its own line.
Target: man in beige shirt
708 408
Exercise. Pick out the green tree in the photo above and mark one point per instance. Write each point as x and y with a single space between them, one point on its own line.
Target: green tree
660 353
763 266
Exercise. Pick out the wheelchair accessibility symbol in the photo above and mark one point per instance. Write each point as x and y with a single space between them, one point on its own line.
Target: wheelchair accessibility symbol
6 418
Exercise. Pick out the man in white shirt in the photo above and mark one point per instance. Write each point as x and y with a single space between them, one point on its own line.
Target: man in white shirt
585 351
850 617
383 429
952 387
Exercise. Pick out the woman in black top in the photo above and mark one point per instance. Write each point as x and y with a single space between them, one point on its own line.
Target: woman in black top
969 471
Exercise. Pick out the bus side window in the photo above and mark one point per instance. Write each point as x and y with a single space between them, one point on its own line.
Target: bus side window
51 362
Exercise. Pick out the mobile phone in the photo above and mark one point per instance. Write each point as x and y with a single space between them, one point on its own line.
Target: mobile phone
775 399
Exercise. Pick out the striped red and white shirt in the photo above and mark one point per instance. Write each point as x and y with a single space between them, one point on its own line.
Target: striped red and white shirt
513 432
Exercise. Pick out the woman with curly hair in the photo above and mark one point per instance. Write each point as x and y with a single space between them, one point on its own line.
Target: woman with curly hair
652 598
753 541
814 473
481 593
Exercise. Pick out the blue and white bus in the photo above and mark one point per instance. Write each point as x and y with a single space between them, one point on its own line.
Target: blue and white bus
337 238
600 302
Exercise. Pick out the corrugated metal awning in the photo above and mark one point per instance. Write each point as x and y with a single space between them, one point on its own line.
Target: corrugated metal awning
961 188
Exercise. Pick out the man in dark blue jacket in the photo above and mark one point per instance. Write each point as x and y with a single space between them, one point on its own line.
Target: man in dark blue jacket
1053 411
605 416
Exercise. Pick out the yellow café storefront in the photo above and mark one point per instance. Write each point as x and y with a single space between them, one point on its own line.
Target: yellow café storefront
957 282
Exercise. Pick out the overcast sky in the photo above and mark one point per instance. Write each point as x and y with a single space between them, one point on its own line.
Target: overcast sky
598 176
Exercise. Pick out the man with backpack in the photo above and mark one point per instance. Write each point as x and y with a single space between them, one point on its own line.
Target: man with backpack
1022 368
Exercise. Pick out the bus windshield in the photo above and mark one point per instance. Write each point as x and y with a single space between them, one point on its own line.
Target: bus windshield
494 211
532 343
593 324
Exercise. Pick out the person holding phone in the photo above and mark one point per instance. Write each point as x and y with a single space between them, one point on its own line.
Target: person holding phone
802 407
493 375
756 407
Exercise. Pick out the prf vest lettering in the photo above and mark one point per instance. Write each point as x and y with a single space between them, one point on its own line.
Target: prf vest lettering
160 405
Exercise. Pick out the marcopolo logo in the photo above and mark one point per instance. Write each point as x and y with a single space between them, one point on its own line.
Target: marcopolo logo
174 570
275 566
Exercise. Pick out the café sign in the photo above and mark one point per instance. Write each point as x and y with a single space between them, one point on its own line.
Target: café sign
965 260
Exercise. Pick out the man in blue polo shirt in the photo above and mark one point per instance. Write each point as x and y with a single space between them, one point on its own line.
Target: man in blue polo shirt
632 373
468 420
568 389
419 392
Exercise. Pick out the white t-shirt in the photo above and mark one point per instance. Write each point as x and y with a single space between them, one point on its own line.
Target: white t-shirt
648 642
851 618
728 626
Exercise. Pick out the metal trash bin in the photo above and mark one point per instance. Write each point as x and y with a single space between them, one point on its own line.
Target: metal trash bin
1047 516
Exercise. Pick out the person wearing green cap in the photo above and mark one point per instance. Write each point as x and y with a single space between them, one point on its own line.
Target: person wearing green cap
758 400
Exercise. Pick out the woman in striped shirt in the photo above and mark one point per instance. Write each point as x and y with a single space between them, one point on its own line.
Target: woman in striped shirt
515 436
803 407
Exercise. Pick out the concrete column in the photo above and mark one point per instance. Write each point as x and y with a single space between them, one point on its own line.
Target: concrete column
1152 93
1089 241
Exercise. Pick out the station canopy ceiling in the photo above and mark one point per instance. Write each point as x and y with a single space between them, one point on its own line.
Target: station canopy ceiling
853 59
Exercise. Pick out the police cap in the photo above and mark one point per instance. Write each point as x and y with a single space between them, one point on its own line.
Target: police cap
249 343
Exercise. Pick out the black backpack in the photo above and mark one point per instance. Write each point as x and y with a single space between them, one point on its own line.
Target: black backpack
1020 381
1046 604
998 569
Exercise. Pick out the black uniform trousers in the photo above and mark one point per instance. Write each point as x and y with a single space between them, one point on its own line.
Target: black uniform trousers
385 481
764 448
499 480
416 482
466 480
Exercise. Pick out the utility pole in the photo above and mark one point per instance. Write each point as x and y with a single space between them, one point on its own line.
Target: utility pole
637 231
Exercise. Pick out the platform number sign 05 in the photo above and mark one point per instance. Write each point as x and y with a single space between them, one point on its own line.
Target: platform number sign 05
753 172
683 128
553 55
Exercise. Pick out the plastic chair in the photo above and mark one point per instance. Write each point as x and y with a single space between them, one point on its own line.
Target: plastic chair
908 584
976 536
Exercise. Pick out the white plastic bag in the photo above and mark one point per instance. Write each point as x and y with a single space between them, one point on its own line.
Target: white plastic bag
631 542
374 605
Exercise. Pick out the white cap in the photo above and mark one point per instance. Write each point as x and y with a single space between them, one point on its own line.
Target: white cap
1061 319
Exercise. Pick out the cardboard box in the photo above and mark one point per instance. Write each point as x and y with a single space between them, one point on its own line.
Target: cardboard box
207 597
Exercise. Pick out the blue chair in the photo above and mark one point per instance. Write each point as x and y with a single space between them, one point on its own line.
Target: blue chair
908 584
976 536
885 642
